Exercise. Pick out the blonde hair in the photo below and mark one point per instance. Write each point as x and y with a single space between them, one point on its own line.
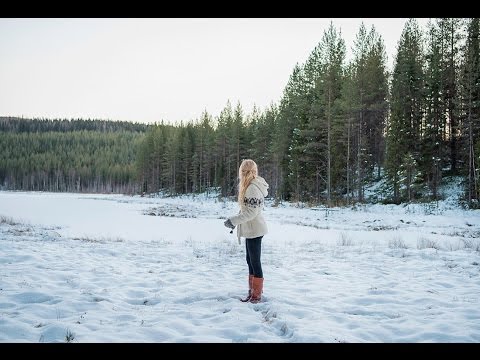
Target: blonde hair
247 171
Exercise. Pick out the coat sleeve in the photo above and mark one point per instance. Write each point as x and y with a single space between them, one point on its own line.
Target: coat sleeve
253 203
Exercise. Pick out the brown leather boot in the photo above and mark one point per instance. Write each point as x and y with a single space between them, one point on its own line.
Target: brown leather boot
257 290
250 286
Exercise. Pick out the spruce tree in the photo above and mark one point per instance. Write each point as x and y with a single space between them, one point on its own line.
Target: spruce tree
407 108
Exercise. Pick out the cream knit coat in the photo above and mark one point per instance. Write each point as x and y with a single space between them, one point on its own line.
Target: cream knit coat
249 221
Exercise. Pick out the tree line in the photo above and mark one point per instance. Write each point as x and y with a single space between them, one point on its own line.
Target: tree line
20 125
339 126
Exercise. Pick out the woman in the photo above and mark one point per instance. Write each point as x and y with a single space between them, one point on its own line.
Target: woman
252 190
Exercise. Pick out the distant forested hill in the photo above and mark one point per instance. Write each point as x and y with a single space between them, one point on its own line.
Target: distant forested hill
69 155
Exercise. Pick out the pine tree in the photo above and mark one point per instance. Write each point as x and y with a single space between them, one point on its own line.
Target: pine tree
451 37
369 105
434 128
286 122
471 111
326 118
407 107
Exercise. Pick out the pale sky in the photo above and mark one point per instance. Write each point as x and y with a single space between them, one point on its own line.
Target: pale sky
148 70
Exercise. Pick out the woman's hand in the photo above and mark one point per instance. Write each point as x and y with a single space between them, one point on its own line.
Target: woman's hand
229 224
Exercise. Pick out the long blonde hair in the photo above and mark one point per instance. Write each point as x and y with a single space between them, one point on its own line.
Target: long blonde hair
247 171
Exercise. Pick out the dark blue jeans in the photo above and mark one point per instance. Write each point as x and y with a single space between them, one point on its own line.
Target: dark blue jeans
254 251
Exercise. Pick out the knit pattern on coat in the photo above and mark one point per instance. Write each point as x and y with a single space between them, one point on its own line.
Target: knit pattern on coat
249 221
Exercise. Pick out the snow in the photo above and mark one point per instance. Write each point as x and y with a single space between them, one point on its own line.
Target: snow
114 268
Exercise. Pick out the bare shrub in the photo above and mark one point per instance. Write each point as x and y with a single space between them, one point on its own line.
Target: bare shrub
424 243
69 336
344 240
7 220
397 243
473 244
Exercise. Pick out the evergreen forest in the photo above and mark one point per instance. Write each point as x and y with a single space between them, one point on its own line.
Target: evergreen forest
338 128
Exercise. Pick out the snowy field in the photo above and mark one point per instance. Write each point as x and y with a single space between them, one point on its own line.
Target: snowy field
112 268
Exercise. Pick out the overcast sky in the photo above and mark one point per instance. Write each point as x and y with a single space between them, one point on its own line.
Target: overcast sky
146 70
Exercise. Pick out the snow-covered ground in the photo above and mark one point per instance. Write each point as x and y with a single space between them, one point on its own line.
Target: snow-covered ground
112 268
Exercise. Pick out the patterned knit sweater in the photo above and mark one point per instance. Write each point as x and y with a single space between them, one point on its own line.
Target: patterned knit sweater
249 221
